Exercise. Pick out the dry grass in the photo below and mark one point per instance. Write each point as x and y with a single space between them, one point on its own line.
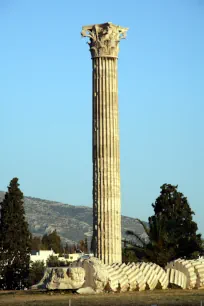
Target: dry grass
156 297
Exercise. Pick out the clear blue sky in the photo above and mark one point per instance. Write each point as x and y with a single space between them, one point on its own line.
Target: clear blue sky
45 98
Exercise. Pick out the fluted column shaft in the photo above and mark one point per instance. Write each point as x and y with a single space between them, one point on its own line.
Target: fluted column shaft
104 47
106 161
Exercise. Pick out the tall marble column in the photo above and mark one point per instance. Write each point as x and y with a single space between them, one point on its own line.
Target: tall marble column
104 47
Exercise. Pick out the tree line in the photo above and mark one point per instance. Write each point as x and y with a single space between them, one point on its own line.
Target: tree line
52 241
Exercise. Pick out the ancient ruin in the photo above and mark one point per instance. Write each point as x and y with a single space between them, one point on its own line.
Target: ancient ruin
106 273
104 48
98 277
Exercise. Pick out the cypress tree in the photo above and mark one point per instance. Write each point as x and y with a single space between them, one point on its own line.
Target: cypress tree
52 242
86 248
15 240
173 208
172 233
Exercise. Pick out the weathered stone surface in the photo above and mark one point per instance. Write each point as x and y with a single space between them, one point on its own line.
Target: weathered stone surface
187 274
96 274
92 273
104 39
199 270
62 278
181 273
87 290
104 47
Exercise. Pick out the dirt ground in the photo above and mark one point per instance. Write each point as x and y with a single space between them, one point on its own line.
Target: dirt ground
156 297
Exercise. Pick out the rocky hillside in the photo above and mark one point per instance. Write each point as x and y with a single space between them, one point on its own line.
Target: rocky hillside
71 222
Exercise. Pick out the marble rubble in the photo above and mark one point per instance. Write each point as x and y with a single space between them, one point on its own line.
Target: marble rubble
93 273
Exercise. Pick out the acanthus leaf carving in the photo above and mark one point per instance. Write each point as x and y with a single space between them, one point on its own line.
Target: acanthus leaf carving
104 39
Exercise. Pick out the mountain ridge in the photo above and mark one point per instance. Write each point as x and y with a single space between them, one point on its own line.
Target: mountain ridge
71 222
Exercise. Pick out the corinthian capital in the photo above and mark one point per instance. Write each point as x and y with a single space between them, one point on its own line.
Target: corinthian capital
104 39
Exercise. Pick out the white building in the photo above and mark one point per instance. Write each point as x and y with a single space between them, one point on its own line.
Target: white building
42 255
75 256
